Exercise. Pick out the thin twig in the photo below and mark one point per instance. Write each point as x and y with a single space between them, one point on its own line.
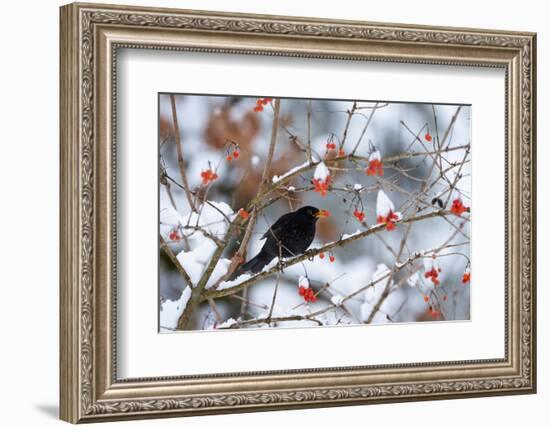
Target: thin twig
179 151
309 157
365 128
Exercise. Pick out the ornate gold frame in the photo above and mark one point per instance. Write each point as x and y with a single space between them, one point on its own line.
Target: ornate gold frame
90 35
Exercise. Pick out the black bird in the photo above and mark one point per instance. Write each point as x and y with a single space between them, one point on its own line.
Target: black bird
291 235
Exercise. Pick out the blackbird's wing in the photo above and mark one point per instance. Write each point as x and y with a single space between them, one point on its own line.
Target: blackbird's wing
279 224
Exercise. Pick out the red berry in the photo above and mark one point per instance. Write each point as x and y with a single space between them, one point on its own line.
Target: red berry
321 255
243 214
359 215
236 154
331 258
229 158
426 298
428 137
341 153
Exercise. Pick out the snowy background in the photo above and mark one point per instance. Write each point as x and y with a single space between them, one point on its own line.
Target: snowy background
225 143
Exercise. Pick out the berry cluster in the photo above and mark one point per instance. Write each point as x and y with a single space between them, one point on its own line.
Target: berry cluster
375 167
243 214
389 220
208 176
433 275
360 215
321 186
234 155
307 294
174 234
260 102
458 207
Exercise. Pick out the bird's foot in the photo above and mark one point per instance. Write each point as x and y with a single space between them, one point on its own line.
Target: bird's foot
281 265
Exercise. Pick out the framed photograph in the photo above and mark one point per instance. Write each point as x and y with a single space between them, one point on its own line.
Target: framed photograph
266 212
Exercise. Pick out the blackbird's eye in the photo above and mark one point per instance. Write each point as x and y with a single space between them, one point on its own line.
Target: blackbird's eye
309 212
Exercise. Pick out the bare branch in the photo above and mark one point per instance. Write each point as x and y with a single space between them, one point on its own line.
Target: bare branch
179 150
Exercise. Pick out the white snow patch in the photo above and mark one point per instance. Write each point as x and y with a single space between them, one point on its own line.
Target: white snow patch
237 281
303 282
357 187
255 160
321 172
375 155
227 324
347 236
170 311
278 178
220 270
337 299
195 261
212 219
383 204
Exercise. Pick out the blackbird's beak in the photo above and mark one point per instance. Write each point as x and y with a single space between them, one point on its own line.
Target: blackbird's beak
322 214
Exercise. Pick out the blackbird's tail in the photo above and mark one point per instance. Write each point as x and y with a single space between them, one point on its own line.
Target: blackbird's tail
255 265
